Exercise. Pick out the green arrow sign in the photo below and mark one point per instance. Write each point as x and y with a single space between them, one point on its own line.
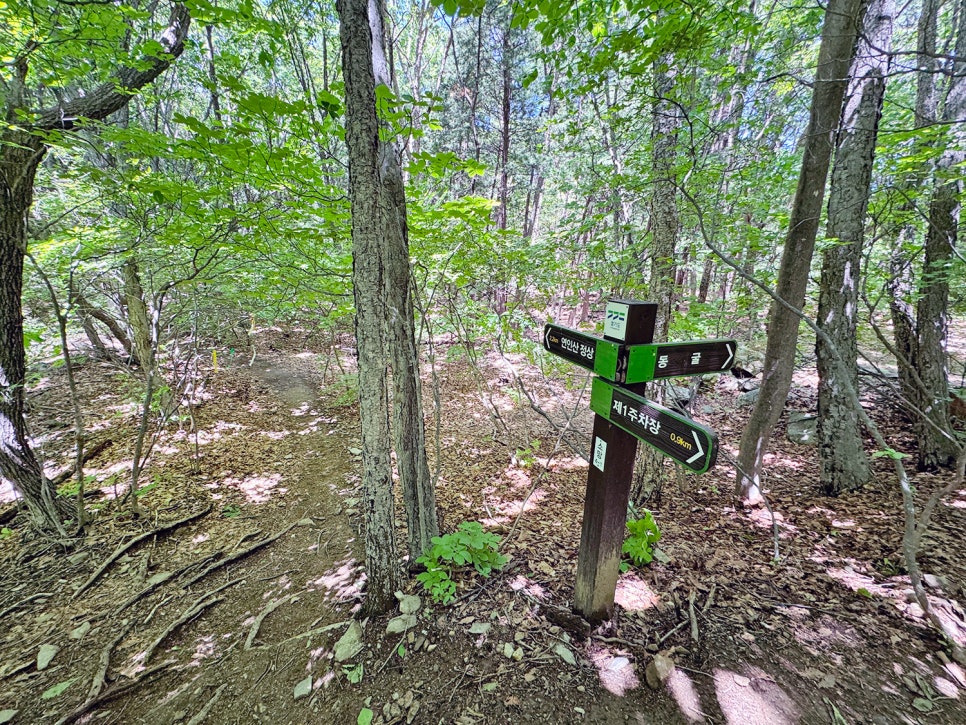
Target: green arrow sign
689 443
594 353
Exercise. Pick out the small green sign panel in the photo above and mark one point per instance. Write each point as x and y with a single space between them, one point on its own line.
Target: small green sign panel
689 443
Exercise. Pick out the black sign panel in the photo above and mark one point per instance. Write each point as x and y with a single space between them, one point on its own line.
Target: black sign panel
693 358
571 345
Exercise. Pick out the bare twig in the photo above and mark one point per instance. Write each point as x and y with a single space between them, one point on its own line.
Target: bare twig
19 604
100 677
113 692
206 600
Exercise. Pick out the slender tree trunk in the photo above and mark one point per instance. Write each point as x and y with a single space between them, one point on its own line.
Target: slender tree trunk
835 54
843 463
419 494
362 142
932 317
661 288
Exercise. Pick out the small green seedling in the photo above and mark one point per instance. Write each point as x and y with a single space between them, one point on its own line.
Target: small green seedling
644 534
353 673
468 545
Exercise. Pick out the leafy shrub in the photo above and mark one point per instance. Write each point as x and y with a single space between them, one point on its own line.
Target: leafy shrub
468 545
639 546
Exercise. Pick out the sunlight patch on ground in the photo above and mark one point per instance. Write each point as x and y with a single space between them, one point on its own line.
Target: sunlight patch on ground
522 583
257 489
345 582
634 594
686 695
565 463
616 671
899 590
763 520
276 435
7 493
204 648
753 699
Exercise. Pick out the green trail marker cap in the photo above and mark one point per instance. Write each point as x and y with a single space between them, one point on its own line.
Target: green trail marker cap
690 444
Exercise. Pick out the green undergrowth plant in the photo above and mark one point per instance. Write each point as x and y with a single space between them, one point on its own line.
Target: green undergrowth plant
468 546
639 546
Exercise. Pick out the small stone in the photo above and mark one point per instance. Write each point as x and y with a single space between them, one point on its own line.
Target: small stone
45 655
508 650
480 628
518 654
303 688
411 715
658 671
519 636
564 653
80 630
350 644
398 625
77 558
748 398
580 711
408 603
7 715
305 522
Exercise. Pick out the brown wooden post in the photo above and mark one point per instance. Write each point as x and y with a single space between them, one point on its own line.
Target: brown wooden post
609 479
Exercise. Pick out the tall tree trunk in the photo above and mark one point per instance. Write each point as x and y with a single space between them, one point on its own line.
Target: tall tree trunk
932 426
419 494
365 194
20 155
835 54
843 463
661 288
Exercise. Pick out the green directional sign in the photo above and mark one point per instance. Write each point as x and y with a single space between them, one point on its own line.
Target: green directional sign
631 364
689 443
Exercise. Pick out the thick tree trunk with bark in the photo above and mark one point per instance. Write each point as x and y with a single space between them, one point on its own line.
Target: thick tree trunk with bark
419 495
844 465
365 193
20 156
835 54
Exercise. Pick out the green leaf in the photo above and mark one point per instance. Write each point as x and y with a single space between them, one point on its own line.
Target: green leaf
57 689
365 716
891 453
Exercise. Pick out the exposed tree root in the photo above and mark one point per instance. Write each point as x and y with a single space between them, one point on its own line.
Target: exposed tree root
202 714
19 604
206 600
100 677
236 556
269 608
119 551
112 693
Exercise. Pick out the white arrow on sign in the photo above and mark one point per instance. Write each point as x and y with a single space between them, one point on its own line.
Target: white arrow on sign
700 452
731 354
546 338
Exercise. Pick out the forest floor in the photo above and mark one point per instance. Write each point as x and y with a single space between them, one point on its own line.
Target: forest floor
234 615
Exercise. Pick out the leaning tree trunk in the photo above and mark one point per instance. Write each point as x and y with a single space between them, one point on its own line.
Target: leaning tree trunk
419 495
362 142
20 155
844 465
835 54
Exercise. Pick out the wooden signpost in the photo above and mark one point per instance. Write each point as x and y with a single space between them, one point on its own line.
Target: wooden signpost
625 358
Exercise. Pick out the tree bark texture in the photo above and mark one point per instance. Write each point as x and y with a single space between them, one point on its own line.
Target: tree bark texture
368 282
419 495
844 465
835 54
933 426
661 288
19 158
21 150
